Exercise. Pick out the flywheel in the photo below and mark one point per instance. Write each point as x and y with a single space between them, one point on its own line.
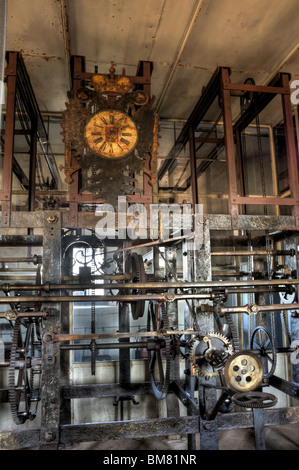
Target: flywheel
243 371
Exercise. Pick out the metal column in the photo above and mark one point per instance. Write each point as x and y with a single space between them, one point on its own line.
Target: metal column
50 402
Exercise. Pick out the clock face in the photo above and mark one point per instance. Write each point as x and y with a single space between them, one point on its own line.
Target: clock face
111 134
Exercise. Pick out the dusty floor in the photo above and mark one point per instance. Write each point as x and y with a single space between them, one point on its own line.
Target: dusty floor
277 438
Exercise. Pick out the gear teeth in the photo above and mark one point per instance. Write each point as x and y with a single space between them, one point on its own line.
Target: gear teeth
196 343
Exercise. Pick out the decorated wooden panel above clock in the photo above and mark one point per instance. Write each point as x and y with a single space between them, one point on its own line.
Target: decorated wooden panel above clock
111 135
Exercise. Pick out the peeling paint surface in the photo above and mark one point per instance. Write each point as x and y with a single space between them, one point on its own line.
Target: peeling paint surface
248 37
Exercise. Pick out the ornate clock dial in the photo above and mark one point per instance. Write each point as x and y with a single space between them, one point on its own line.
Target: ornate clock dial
111 134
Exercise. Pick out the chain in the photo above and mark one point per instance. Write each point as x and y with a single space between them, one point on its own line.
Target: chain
252 322
93 325
268 244
261 159
233 331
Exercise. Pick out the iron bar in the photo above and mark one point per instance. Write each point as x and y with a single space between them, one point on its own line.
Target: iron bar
7 170
254 253
166 297
21 240
154 285
94 336
75 347
13 314
253 309
70 434
34 259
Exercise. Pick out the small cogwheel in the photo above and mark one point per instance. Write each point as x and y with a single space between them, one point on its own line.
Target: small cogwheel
209 354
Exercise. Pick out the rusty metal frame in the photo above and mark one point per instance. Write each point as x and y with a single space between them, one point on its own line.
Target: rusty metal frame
55 420
279 85
220 85
142 80
18 81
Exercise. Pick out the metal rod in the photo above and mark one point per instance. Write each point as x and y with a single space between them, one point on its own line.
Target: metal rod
13 314
166 297
95 336
254 253
34 259
253 309
105 277
155 285
70 347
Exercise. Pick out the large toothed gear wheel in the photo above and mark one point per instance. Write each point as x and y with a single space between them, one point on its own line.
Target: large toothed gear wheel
254 399
25 366
243 371
209 354
159 355
135 267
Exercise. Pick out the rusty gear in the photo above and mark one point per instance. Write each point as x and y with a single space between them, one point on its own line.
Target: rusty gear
135 267
209 353
254 399
21 385
159 377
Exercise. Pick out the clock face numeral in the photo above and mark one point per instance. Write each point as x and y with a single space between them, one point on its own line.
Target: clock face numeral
111 134
98 140
125 141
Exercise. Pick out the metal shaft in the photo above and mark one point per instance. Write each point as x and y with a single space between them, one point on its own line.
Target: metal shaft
166 297
140 344
254 253
253 309
154 285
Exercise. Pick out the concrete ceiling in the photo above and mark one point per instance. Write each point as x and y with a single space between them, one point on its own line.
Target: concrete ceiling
185 39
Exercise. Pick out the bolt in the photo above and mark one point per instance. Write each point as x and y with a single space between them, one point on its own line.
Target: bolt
52 219
169 297
48 337
207 426
50 436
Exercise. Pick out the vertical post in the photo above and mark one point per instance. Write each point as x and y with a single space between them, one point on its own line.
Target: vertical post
146 68
11 72
50 400
3 29
192 150
124 354
206 396
78 66
32 169
230 149
171 254
188 254
259 430
290 146
240 168
292 262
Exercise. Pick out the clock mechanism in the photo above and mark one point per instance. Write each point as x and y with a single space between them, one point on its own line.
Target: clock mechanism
108 120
